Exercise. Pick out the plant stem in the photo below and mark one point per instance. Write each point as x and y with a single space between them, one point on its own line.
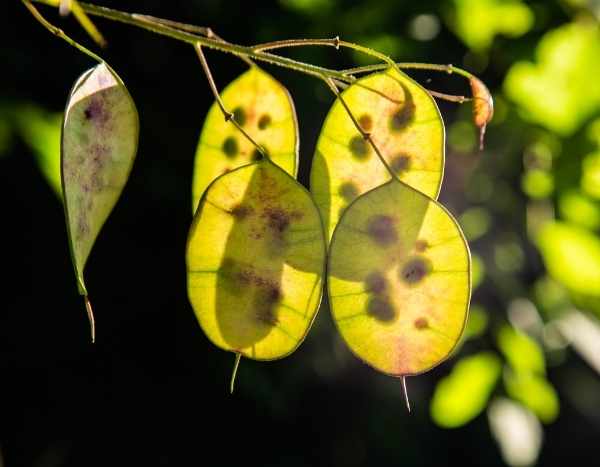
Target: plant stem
410 66
59 32
184 36
365 135
204 31
90 314
189 33
335 42
236 364
405 392
229 116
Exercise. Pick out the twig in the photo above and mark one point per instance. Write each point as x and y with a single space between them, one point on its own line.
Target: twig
229 116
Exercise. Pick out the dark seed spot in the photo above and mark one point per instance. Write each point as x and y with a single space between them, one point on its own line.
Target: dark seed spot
421 245
400 163
94 110
375 283
265 301
381 309
264 121
404 116
359 147
240 211
382 230
415 270
365 122
421 323
348 191
230 147
239 115
278 220
273 294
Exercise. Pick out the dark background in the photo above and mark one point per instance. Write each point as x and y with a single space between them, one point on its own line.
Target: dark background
153 390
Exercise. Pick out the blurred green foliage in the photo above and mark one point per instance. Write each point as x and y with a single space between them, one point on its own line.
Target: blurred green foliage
572 256
464 393
477 22
558 91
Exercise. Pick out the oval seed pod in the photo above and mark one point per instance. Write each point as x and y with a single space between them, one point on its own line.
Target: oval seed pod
98 146
404 123
399 279
255 260
265 110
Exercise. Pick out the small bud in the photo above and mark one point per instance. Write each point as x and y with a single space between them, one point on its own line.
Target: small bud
483 106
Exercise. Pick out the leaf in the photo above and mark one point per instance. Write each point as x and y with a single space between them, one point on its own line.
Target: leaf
99 143
264 109
535 392
522 352
477 22
404 123
572 257
41 132
255 260
464 393
557 91
399 279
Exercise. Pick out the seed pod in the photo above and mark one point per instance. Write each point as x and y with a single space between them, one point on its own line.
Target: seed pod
483 106
404 123
265 110
399 279
99 144
255 260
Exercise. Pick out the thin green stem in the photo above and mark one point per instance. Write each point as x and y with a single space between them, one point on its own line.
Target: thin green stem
448 97
335 42
202 30
368 51
90 315
212 43
405 392
238 357
229 116
59 32
409 66
366 135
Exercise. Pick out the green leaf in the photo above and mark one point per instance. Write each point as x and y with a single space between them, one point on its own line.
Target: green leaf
478 270
264 109
99 143
537 183
477 322
399 279
577 208
522 352
556 92
572 257
590 180
41 132
535 392
464 393
404 123
255 260
477 22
